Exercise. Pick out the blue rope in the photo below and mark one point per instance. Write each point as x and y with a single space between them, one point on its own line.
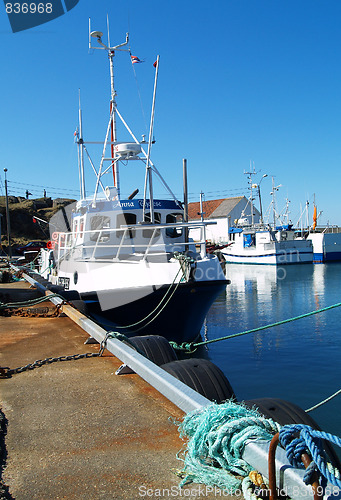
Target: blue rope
309 440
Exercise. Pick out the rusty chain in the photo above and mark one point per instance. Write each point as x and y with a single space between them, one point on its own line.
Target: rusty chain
6 372
33 312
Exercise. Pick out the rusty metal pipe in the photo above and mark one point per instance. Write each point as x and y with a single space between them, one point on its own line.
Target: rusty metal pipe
315 485
272 471
272 467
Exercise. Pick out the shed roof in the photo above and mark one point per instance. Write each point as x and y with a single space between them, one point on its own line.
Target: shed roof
214 208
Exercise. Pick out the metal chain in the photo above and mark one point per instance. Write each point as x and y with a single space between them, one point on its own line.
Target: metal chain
33 312
6 372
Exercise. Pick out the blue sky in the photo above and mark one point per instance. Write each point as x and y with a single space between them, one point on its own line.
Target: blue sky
239 81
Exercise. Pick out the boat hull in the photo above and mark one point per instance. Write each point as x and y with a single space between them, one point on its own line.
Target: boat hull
277 253
176 312
270 259
327 246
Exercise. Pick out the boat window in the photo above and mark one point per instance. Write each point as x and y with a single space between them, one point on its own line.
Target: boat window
97 223
148 233
75 227
174 232
125 219
81 227
249 240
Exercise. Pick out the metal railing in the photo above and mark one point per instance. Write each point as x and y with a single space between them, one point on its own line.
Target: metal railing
97 243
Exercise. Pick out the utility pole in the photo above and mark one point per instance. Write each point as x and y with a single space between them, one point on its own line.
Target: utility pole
7 218
185 188
0 233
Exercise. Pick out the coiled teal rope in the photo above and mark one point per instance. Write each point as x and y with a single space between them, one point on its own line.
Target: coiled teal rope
192 347
217 435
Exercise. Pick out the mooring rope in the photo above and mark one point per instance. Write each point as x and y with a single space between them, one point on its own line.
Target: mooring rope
324 401
216 436
192 347
161 301
309 440
28 303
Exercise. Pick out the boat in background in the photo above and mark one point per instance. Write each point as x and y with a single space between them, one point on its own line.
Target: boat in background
132 261
326 240
251 242
260 244
326 246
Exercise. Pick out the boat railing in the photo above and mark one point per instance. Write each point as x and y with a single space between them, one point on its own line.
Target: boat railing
97 244
255 227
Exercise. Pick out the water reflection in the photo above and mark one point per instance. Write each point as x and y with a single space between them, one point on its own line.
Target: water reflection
298 361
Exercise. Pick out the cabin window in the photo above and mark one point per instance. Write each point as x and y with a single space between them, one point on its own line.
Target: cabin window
174 232
81 227
249 240
232 236
98 223
148 233
125 219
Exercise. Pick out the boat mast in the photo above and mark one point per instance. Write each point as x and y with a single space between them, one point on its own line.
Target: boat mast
113 135
274 189
250 174
81 150
148 177
111 53
115 169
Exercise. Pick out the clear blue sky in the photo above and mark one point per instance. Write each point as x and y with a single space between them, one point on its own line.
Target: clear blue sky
239 81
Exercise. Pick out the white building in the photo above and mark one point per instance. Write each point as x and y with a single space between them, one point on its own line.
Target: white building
224 212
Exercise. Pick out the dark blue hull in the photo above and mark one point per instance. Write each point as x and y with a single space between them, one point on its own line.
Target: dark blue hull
177 316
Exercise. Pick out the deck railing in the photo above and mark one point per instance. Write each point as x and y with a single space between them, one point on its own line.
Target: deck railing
98 244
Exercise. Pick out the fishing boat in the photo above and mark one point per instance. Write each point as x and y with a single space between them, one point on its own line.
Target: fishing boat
254 242
132 260
326 241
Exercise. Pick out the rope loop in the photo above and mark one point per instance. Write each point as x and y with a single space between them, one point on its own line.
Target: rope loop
308 477
103 345
188 347
310 441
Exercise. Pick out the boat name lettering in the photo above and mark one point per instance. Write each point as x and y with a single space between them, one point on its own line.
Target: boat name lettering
119 204
155 203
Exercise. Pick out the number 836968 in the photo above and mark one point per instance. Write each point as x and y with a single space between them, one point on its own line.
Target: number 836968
29 8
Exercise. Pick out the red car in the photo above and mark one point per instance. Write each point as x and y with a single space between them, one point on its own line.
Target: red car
33 246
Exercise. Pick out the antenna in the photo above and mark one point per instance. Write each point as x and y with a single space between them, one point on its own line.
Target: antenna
108 30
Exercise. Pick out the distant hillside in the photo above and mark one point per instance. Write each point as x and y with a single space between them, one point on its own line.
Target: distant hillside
22 213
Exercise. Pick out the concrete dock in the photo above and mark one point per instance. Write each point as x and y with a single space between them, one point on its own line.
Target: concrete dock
75 430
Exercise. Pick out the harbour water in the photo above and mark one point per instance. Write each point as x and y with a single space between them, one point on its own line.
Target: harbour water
297 361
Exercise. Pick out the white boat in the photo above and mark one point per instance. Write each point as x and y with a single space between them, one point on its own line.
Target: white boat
326 246
131 260
263 245
251 242
326 241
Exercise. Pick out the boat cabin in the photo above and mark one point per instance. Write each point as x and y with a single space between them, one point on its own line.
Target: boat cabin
115 228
